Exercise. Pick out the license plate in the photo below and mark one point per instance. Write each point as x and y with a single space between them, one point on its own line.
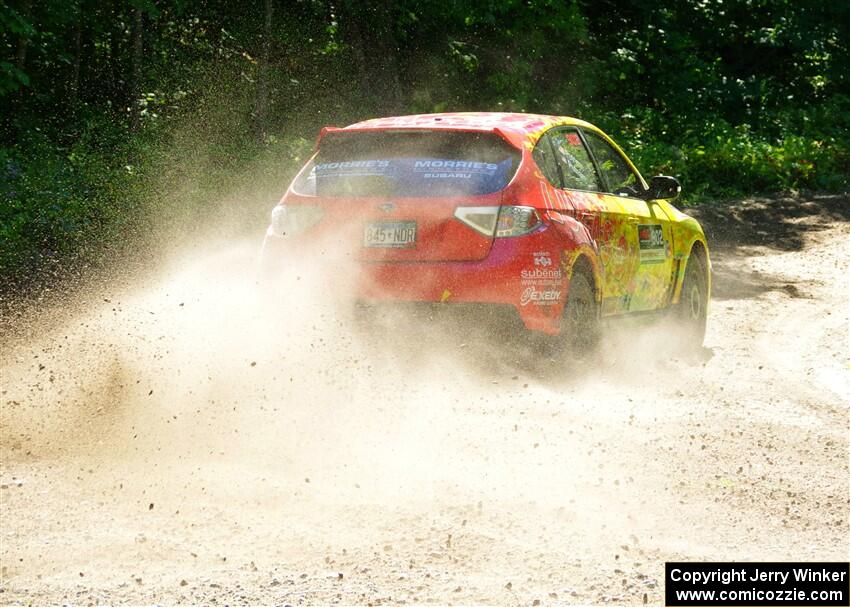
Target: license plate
395 234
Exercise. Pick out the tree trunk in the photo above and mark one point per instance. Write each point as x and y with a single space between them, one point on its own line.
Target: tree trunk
18 98
74 85
138 50
369 31
389 45
358 44
23 40
262 102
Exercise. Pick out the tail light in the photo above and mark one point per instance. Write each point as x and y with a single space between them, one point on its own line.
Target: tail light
288 220
501 222
516 221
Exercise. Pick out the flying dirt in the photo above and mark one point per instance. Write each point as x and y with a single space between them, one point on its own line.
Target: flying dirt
191 438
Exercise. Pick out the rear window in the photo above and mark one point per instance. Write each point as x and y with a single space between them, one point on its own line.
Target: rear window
409 164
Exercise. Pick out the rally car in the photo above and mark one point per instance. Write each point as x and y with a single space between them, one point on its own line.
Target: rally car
544 215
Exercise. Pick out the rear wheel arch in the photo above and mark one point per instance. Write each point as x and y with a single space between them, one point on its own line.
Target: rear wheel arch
583 263
579 331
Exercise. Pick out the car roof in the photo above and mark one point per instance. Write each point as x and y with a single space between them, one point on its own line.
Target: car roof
517 127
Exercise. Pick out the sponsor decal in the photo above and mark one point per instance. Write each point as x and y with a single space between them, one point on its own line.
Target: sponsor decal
351 164
412 176
426 166
531 295
544 274
447 176
541 273
542 258
653 247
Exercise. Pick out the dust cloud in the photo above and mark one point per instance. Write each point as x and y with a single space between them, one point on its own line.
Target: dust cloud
201 433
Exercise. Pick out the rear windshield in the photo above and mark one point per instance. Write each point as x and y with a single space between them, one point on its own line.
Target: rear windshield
412 164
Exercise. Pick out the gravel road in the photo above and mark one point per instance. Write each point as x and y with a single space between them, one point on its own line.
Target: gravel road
183 441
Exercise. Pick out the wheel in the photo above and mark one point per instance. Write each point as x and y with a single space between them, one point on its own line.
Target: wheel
580 322
692 309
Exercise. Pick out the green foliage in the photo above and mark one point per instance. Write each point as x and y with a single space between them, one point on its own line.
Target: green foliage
734 162
718 160
59 203
127 122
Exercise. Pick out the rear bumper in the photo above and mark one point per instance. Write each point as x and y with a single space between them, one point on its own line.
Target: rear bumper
525 273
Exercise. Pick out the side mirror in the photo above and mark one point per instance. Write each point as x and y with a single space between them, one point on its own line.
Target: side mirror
663 187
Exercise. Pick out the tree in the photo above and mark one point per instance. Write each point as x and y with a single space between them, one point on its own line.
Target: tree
262 103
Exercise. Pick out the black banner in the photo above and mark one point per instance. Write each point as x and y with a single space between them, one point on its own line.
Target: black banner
764 584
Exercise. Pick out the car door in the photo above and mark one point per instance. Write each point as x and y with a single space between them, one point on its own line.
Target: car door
650 233
607 218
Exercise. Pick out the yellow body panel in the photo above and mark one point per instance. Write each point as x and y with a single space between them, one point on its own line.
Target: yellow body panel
629 283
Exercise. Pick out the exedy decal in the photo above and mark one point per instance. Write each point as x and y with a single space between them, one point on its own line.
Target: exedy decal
540 298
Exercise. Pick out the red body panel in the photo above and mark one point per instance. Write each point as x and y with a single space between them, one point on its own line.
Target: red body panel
440 237
528 272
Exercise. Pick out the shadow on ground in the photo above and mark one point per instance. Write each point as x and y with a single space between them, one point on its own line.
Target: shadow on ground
777 223
753 227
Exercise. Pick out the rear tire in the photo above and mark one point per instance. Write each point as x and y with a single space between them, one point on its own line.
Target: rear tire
580 321
692 309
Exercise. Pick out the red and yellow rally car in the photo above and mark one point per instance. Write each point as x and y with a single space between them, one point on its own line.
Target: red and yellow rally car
543 214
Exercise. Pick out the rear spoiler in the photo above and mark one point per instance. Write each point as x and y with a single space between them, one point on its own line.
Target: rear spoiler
512 138
325 130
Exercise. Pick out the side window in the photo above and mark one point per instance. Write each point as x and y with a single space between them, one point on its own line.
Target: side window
576 166
545 159
616 173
